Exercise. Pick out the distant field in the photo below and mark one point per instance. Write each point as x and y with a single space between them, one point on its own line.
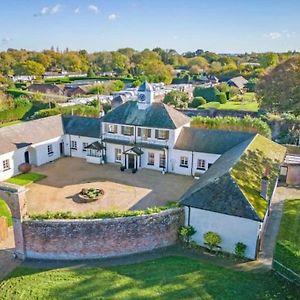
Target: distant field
233 105
165 278
288 241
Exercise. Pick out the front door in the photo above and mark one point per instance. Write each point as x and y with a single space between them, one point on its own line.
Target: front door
131 161
61 147
26 157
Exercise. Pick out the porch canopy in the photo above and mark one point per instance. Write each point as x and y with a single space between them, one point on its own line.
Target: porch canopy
95 149
134 150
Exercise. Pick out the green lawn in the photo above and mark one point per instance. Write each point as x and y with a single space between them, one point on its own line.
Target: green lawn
164 278
233 105
10 123
5 212
288 241
25 179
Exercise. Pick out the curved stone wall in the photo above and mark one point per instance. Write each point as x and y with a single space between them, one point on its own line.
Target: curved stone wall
82 239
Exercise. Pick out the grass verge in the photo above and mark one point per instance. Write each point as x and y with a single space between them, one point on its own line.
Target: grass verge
26 179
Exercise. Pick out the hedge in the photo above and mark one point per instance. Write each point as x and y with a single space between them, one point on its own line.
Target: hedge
209 94
221 98
197 101
102 214
22 106
246 124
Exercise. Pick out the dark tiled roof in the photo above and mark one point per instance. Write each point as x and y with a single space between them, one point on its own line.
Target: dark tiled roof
232 185
157 115
216 190
83 126
95 146
32 132
209 141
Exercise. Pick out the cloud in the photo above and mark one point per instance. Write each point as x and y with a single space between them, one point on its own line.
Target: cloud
76 10
49 10
275 35
5 40
93 8
112 17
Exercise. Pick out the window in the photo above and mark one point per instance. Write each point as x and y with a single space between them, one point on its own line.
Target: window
93 153
201 164
84 145
111 128
151 159
127 130
144 133
118 154
162 160
184 161
50 150
74 145
161 134
6 165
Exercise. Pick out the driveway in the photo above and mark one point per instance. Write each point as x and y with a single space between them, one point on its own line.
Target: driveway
123 190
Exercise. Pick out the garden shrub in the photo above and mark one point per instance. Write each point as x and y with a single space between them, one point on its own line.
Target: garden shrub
212 240
197 101
186 232
240 249
222 98
207 93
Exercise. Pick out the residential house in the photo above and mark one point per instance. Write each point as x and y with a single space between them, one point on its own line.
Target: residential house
45 88
238 82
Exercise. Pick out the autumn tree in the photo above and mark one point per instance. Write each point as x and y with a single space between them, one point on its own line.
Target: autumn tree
279 89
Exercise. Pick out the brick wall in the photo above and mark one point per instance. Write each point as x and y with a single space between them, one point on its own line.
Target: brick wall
72 239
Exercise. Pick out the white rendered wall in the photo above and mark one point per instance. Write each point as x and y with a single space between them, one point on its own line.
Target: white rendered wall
80 140
231 229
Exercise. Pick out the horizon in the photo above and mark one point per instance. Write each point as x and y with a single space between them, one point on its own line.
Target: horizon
225 27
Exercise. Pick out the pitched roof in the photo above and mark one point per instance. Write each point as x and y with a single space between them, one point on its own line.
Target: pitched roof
158 115
44 87
209 140
32 132
83 126
232 185
238 81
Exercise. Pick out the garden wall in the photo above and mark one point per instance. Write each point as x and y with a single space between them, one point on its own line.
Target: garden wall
80 239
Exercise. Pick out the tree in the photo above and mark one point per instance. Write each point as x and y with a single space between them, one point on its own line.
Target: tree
177 99
29 67
269 59
212 240
199 61
279 89
209 94
221 97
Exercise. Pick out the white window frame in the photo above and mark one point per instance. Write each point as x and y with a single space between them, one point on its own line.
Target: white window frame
151 158
128 130
112 128
6 165
201 164
118 154
184 161
50 149
84 145
162 134
74 145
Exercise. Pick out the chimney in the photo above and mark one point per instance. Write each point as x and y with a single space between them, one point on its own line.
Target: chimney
265 184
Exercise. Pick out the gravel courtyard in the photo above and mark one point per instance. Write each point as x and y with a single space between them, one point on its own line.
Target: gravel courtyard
123 190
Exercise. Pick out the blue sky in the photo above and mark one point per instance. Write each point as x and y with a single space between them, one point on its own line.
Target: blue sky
219 25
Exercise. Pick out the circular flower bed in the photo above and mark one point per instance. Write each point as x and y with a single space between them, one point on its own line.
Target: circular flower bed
90 195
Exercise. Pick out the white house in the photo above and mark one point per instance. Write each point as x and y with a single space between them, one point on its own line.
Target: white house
141 133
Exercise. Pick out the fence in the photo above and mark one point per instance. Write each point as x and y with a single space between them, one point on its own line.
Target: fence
285 272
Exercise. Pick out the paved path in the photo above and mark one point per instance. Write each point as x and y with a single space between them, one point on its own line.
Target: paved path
272 227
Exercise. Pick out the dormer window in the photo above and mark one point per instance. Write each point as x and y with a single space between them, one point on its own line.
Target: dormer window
161 134
127 130
111 128
144 133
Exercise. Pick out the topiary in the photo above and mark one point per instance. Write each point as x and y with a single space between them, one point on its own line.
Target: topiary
221 98
185 233
197 101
